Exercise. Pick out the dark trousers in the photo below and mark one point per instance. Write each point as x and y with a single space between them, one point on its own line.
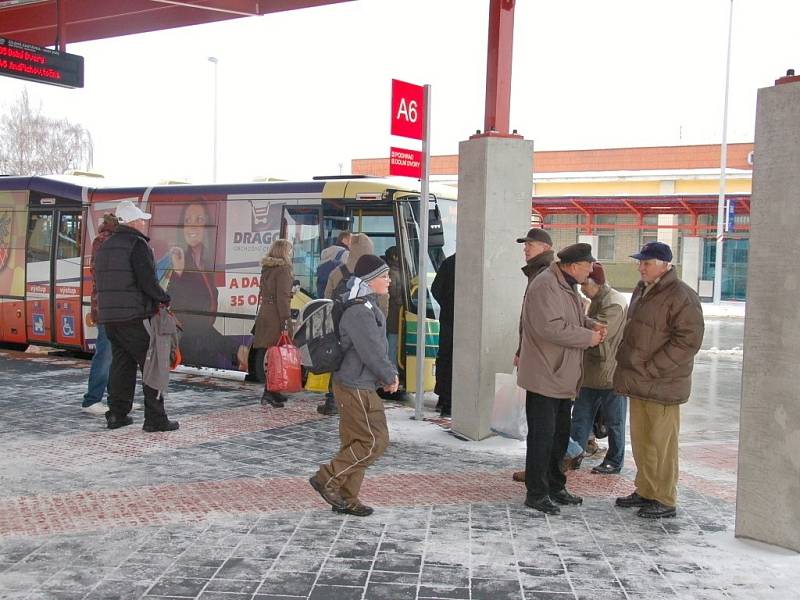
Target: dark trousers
444 367
129 343
548 436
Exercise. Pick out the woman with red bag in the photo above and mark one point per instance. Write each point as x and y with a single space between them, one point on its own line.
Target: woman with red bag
274 316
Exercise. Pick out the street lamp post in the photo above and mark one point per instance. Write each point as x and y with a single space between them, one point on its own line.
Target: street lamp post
723 161
213 60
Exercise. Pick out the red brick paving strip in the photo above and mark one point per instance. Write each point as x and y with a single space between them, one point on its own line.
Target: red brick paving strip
70 452
193 502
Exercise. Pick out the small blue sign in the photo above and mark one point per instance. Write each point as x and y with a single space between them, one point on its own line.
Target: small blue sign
38 324
68 325
730 215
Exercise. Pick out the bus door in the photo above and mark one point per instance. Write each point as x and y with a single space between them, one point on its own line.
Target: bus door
407 216
53 273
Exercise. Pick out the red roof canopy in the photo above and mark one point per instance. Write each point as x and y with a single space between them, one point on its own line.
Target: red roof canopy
37 21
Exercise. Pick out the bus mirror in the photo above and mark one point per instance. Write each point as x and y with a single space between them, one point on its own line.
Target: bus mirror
435 229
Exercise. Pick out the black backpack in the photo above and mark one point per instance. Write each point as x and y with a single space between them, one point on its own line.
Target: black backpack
318 335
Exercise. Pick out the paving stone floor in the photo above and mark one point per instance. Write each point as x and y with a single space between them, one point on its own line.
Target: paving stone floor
221 509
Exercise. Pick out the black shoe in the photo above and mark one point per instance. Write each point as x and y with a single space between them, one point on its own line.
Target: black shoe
329 408
656 510
161 426
543 504
562 496
606 469
273 399
115 421
331 496
633 500
357 510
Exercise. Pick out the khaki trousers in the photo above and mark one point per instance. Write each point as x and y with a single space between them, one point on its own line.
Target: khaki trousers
363 435
654 439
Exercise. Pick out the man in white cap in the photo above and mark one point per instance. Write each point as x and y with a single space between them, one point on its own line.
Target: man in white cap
128 293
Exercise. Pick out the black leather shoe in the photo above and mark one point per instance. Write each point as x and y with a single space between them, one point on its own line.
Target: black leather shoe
115 422
606 469
543 504
161 426
272 399
357 510
633 500
656 510
562 496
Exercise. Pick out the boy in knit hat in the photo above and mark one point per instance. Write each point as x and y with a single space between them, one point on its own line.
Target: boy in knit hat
363 432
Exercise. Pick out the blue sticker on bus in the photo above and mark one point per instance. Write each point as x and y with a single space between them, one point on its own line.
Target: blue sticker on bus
68 325
38 324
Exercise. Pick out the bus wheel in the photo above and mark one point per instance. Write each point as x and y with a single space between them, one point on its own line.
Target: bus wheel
255 365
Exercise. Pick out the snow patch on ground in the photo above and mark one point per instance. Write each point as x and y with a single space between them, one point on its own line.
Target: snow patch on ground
728 309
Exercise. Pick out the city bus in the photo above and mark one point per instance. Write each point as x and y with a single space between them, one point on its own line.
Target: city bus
47 225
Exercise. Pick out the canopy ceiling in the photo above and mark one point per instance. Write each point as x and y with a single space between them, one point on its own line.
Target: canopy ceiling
36 21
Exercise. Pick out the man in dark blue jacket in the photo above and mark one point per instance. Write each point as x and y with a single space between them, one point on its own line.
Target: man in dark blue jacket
128 294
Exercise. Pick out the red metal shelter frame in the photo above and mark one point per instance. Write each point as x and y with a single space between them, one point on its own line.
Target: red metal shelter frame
640 206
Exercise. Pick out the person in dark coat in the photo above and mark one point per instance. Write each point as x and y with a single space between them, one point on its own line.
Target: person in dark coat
443 290
275 297
128 293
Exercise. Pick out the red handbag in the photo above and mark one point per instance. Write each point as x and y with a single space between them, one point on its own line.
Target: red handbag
282 365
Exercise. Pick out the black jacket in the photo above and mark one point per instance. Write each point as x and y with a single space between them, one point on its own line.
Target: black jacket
125 276
443 289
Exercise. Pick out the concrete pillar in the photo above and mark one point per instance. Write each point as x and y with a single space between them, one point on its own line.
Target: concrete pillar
494 208
768 480
692 261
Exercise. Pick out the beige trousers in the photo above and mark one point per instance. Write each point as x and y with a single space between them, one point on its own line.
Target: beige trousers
363 435
654 438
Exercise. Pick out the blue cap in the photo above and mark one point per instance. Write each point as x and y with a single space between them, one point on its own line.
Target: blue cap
657 250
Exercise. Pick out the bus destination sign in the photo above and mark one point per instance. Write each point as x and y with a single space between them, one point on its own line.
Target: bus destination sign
43 65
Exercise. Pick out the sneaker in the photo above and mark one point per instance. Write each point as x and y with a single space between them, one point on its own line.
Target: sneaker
357 510
98 409
605 469
161 426
331 496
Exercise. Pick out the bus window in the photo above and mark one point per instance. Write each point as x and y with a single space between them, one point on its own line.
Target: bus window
303 230
40 237
378 226
69 235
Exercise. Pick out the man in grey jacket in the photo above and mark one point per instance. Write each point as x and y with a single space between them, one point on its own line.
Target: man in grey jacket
363 432
555 332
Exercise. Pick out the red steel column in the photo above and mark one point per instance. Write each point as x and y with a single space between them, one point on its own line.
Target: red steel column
498 68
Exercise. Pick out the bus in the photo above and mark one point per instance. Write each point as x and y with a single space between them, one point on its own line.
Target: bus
208 242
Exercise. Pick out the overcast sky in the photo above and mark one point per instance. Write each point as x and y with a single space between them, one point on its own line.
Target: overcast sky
302 93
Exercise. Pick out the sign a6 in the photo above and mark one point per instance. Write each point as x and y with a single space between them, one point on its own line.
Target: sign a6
408 109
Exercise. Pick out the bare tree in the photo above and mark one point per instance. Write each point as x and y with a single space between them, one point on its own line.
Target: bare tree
33 144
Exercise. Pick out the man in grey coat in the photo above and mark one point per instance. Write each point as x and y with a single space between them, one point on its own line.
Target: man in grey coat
555 332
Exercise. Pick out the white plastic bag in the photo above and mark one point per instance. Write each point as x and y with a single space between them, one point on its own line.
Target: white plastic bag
508 412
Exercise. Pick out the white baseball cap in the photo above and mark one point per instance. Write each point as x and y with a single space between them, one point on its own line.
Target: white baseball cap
127 212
